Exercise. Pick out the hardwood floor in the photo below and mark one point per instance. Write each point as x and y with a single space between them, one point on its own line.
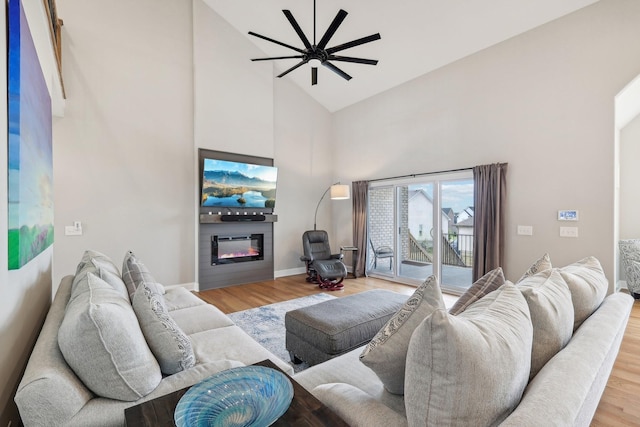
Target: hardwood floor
243 297
620 403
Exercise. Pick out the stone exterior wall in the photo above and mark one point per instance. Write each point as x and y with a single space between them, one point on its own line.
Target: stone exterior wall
382 230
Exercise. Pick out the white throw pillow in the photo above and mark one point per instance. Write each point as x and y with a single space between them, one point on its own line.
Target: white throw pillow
169 344
479 289
101 340
551 309
386 352
470 369
588 286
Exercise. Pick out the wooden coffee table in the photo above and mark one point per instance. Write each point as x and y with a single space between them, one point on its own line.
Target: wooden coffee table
305 409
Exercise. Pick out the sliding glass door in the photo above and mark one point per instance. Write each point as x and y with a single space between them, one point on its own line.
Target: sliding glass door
422 226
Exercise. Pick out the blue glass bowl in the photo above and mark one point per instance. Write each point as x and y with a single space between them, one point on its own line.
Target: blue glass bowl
239 397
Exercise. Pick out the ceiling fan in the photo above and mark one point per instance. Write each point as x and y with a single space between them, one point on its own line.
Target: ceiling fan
319 52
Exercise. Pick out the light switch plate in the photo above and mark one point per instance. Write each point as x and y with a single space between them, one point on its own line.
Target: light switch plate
70 230
525 230
568 231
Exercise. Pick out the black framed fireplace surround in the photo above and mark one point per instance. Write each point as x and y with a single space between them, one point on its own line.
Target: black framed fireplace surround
237 248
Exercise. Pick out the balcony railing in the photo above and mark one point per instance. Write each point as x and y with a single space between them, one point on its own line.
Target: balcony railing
457 250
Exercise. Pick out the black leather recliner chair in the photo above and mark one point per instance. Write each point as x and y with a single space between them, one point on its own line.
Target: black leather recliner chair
323 267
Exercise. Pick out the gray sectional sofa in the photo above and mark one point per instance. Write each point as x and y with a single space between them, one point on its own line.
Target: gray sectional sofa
538 352
541 368
51 393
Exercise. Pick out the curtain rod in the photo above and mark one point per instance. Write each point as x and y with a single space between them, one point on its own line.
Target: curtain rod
413 175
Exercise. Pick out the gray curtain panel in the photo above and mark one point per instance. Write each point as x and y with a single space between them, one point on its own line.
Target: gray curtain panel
488 220
360 191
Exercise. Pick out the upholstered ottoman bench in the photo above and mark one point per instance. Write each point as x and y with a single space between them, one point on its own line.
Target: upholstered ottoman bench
322 331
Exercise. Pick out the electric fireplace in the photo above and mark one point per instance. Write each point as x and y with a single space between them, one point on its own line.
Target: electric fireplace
234 249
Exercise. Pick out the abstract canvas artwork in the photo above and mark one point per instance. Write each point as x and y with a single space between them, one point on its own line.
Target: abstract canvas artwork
30 146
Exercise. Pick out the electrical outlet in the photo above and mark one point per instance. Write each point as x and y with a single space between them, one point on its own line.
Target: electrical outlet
568 231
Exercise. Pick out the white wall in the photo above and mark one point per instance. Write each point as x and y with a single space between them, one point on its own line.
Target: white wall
233 96
304 156
630 180
123 158
542 101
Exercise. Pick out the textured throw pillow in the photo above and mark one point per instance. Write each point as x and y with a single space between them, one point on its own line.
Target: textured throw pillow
134 272
101 340
386 352
95 257
588 286
480 288
169 344
630 260
114 280
542 264
470 369
90 263
551 309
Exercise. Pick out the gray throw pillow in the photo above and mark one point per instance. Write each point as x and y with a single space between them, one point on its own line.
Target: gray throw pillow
169 344
104 260
470 370
91 262
114 280
101 340
386 352
588 286
480 288
544 263
551 309
134 272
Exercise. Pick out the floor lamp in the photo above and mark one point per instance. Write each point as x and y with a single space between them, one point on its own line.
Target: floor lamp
338 192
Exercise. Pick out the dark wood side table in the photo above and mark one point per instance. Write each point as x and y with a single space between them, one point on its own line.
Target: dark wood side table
305 409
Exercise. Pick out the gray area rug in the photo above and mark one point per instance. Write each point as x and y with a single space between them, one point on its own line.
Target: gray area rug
266 324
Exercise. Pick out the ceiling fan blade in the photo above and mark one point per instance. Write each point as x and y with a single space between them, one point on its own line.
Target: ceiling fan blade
354 60
354 43
276 42
299 64
278 57
336 70
332 29
297 28
314 76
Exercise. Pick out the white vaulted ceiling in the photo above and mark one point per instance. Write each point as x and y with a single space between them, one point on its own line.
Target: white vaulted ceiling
418 36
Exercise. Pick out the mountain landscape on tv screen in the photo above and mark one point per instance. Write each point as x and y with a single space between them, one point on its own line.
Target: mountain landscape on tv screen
234 189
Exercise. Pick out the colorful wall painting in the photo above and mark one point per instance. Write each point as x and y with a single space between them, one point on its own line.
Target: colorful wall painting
30 146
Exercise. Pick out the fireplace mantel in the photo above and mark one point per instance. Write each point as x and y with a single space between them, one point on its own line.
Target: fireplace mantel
217 218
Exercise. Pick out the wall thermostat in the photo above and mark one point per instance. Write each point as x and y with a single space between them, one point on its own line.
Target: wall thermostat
568 215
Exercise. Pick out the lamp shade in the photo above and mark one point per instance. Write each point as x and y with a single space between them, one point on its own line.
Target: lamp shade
339 192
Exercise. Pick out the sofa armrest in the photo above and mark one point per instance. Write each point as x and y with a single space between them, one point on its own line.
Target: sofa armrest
49 391
356 407
569 387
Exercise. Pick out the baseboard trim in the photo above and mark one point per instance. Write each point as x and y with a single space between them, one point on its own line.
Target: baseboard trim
289 272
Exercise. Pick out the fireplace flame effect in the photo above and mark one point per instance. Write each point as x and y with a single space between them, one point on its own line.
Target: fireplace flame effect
248 252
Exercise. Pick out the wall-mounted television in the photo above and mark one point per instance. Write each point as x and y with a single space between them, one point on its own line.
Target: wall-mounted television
227 184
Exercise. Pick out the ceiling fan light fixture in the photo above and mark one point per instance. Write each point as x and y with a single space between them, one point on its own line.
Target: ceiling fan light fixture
319 54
